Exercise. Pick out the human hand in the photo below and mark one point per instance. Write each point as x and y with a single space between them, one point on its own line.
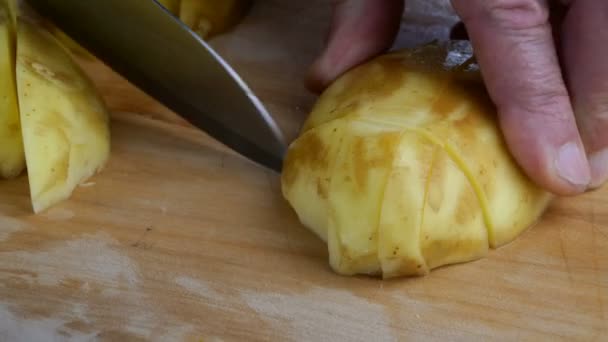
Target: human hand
544 70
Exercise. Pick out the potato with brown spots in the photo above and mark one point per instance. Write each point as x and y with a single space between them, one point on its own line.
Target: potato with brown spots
209 18
65 124
12 158
171 5
401 168
52 120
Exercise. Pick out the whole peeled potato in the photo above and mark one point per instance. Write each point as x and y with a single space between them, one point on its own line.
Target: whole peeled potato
401 167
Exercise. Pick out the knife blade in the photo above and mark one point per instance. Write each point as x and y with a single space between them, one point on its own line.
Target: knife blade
157 53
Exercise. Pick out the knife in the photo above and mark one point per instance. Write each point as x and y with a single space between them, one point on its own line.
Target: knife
156 52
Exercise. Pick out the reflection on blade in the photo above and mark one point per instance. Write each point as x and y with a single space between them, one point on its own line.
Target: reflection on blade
159 54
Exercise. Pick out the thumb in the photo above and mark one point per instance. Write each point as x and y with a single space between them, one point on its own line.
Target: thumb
360 29
514 47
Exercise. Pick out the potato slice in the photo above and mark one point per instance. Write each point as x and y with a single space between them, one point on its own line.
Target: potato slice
307 181
69 43
402 208
12 10
355 196
12 158
475 143
453 227
446 193
65 123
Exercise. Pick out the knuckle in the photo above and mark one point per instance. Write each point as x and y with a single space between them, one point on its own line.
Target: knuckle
547 98
538 102
551 105
596 106
506 14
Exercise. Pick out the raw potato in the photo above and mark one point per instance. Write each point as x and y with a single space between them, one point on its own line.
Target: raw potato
401 168
25 11
171 5
12 9
64 122
69 43
12 158
211 17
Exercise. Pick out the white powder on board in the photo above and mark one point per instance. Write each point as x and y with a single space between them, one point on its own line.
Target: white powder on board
59 214
92 259
18 329
87 258
197 287
81 311
315 315
177 333
140 323
110 292
8 226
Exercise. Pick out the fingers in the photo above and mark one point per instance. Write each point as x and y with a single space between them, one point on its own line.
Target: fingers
515 49
585 47
360 29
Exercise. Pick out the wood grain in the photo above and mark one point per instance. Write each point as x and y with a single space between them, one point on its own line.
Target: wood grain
179 239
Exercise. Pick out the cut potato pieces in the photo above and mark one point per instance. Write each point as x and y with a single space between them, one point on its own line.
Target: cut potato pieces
171 5
452 228
420 176
12 158
398 227
208 17
307 183
356 190
12 9
64 121
69 43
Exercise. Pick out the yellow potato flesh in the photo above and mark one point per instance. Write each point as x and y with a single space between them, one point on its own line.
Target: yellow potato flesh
64 122
356 190
171 5
402 208
452 227
69 43
422 177
12 10
210 17
12 158
307 183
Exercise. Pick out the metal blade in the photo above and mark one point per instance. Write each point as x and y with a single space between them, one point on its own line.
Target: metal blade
156 52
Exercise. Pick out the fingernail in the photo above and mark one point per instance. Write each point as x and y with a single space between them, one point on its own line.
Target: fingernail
571 165
599 168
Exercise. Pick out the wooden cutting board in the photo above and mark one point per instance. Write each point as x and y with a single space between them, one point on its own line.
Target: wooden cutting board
179 239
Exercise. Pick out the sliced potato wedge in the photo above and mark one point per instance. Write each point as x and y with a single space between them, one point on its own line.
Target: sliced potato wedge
64 121
209 18
12 157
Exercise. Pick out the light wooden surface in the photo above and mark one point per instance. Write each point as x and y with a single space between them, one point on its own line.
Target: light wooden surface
179 239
